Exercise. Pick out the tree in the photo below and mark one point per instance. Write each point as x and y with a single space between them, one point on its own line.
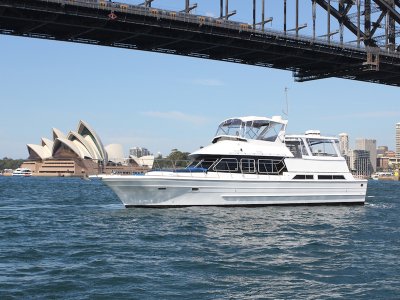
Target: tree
176 159
8 163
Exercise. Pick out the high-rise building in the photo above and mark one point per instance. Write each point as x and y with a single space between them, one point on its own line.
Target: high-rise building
360 163
370 146
344 144
398 139
139 152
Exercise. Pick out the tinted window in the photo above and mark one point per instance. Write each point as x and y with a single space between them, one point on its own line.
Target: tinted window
227 164
265 166
247 165
330 177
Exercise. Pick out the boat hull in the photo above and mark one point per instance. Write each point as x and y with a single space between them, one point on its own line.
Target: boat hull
154 191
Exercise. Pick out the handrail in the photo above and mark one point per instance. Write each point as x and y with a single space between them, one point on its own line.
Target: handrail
204 166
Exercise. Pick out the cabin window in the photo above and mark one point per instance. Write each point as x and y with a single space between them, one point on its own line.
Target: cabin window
303 177
206 164
297 147
248 165
202 163
271 166
232 127
265 166
227 165
322 147
270 134
330 177
262 130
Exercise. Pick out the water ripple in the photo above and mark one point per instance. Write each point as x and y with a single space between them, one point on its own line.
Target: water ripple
70 238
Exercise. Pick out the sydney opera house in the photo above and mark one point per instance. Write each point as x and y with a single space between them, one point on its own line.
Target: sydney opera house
79 153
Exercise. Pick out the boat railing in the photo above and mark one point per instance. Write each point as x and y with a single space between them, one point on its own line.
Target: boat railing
170 165
219 167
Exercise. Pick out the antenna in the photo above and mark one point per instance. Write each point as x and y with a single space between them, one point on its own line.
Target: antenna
286 112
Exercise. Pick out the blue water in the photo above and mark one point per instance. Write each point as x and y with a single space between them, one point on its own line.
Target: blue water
71 238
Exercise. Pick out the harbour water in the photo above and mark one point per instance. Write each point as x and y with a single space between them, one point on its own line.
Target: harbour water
72 238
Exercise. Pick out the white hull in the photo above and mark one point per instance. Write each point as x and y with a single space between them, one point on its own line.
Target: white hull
171 191
22 173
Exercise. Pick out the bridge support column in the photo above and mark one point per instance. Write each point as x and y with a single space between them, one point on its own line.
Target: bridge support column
314 17
392 29
358 22
297 17
263 15
254 14
342 12
367 22
328 34
284 16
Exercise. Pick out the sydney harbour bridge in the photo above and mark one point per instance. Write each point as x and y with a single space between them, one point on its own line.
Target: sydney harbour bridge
315 39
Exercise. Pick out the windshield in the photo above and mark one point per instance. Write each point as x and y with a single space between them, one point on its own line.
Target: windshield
265 130
233 127
322 147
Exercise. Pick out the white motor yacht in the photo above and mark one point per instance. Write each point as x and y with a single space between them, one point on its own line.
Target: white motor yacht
22 172
250 162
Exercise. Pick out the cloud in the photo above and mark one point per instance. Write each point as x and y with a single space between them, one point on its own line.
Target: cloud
176 116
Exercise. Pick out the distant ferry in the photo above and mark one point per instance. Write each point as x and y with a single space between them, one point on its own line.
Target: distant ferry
385 176
250 162
22 172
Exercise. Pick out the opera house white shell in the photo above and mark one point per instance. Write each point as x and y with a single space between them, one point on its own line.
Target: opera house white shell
81 144
79 153
115 153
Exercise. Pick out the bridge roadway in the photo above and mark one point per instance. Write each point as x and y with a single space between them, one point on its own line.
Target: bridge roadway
151 29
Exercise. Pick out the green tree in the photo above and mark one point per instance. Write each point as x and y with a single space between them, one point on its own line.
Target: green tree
176 159
9 163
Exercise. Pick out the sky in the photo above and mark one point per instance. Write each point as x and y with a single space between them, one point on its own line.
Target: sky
161 101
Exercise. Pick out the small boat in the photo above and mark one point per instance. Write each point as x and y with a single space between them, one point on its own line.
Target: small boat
383 176
22 172
250 162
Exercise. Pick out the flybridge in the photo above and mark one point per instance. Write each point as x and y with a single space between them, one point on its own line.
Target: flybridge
141 27
255 128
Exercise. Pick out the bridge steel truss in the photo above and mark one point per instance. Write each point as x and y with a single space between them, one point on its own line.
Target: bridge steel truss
143 27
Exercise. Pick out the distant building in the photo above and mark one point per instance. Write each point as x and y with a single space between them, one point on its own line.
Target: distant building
382 163
381 150
344 144
394 163
360 163
370 146
386 160
79 153
139 152
390 153
398 140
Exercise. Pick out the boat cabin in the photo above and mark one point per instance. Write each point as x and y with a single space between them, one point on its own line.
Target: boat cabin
259 145
312 144
251 128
